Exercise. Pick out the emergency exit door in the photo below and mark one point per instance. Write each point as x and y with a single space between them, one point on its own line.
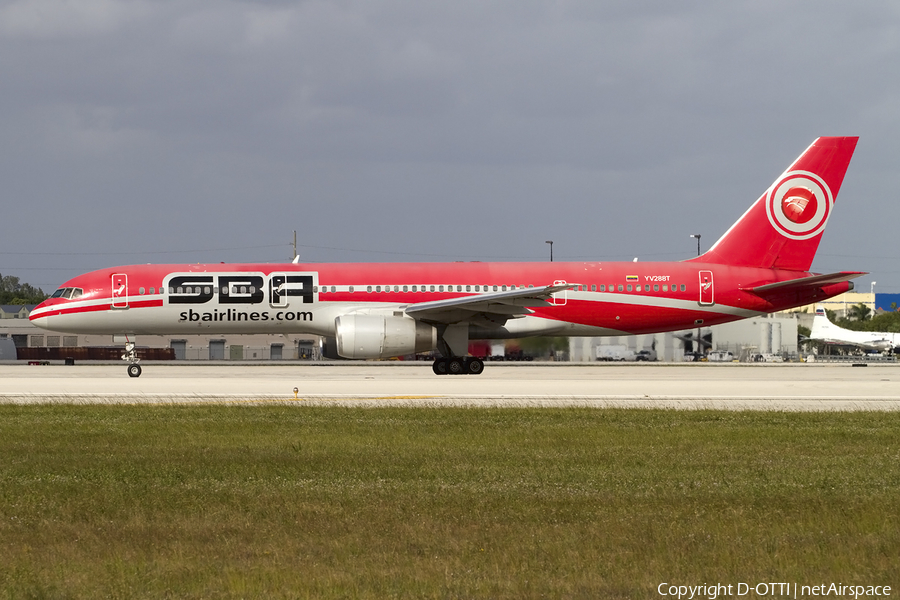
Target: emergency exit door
707 289
120 290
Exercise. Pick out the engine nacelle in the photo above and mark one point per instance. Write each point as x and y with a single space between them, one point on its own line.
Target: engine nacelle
373 336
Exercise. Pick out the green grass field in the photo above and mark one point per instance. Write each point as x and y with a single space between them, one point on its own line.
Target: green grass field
302 502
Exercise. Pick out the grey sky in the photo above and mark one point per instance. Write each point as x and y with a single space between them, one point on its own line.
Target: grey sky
196 131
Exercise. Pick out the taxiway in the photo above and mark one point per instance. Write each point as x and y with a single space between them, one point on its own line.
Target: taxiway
680 386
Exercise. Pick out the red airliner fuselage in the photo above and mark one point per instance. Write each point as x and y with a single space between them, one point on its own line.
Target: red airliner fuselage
368 310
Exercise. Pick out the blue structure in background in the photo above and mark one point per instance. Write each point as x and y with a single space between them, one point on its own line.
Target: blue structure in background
884 301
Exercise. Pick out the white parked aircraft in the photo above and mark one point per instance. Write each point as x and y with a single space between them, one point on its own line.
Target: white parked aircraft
824 330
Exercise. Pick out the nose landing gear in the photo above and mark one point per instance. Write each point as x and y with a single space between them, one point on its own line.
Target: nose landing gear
134 369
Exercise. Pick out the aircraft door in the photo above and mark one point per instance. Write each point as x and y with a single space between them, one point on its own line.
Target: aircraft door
278 297
560 298
120 290
707 289
282 286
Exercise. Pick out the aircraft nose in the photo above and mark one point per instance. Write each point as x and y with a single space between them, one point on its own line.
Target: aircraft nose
39 316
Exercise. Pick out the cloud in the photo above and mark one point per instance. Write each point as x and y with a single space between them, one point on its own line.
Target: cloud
432 128
66 19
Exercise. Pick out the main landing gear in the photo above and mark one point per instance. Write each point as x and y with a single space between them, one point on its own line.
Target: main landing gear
134 369
458 366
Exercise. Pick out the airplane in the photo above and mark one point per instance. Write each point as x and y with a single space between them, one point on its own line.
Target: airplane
823 330
371 311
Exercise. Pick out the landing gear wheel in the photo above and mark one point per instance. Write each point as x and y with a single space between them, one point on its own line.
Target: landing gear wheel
474 366
440 366
455 366
134 370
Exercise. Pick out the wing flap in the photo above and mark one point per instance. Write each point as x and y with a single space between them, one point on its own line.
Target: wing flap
511 303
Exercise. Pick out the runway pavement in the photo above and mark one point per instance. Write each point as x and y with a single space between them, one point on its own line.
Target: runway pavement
680 386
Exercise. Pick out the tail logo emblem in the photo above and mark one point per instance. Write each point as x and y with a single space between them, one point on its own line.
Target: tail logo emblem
799 204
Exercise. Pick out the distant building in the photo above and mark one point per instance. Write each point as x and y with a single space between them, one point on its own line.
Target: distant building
16 326
840 304
887 302
15 311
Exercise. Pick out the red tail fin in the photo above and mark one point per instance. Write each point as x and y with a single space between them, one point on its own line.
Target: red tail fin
783 228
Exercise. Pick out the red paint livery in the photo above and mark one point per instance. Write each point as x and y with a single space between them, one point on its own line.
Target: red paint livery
366 310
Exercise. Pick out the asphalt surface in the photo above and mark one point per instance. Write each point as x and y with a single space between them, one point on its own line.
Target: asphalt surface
676 386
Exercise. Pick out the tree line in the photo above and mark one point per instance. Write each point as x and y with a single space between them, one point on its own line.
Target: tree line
861 318
14 292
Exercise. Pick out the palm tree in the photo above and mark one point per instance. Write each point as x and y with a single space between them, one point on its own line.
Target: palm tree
859 312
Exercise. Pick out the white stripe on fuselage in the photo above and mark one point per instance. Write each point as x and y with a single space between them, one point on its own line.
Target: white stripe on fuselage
318 317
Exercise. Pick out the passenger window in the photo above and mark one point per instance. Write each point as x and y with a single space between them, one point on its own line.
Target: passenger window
622 288
683 287
141 291
665 287
369 288
432 288
405 288
206 290
477 288
646 287
593 287
351 289
656 287
469 288
224 290
628 287
495 288
153 290
180 290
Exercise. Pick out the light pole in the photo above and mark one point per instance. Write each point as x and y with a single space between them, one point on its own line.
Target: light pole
551 249
872 289
699 348
697 235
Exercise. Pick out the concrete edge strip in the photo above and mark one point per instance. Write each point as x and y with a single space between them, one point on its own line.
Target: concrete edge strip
735 403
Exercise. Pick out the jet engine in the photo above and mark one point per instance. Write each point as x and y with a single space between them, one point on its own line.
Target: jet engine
373 336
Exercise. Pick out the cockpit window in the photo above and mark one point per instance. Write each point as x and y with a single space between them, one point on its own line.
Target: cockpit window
68 293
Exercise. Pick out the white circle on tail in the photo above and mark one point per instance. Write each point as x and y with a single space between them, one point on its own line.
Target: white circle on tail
799 204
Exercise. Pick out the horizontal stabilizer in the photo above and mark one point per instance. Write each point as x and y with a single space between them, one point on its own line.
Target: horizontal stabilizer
803 283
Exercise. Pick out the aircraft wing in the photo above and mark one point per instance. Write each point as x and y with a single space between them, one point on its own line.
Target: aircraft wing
496 307
803 283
